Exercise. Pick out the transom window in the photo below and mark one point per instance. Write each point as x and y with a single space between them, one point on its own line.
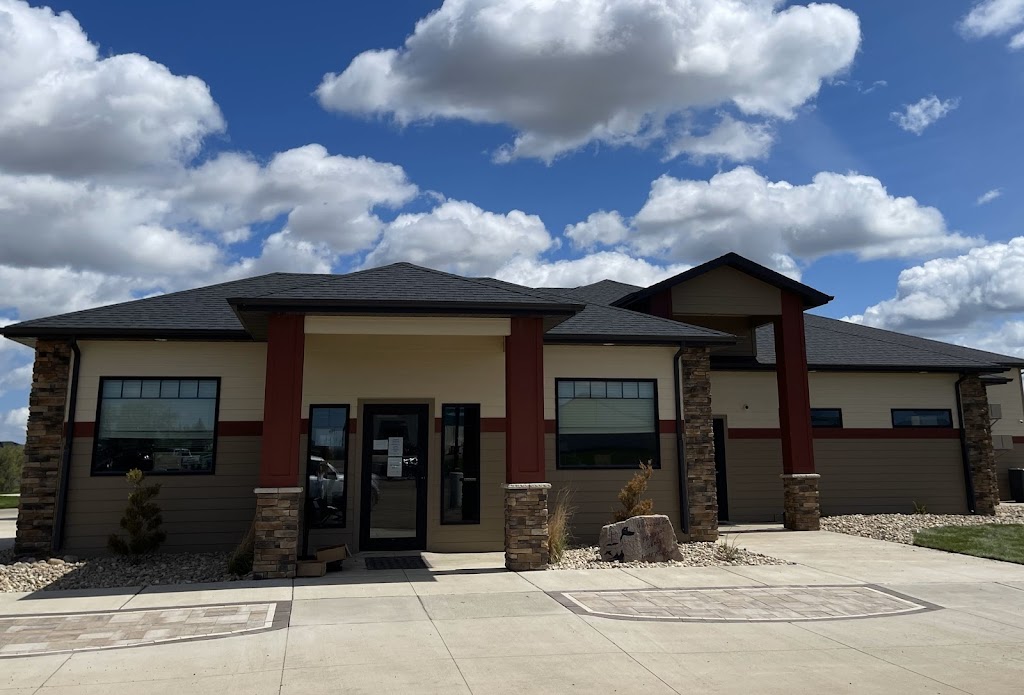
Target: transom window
826 417
922 417
160 426
607 423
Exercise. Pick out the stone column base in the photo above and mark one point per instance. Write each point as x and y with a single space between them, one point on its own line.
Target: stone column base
276 547
802 510
526 526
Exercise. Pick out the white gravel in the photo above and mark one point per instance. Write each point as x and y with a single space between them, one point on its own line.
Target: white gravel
900 528
694 555
55 574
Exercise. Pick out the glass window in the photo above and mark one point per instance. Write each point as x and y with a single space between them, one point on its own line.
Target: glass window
460 462
607 424
922 417
152 425
327 467
826 417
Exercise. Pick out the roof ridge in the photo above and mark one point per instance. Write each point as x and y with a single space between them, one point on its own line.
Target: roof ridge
155 296
833 328
521 289
664 320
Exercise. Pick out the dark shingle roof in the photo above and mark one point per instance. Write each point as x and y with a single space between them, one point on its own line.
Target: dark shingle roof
603 292
834 343
405 283
203 309
599 323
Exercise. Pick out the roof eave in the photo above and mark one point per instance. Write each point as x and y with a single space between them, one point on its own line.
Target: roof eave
590 339
15 332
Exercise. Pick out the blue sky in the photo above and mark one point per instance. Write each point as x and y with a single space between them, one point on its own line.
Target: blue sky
174 184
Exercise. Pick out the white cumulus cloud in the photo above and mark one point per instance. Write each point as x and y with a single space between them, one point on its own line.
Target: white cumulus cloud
66 110
996 18
459 237
604 265
776 222
965 298
13 424
730 139
914 118
601 227
564 73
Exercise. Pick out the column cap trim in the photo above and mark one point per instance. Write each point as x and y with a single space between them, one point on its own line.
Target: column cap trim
276 490
798 476
525 486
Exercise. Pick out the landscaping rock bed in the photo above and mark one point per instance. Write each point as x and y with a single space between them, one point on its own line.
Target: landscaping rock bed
55 574
900 528
694 555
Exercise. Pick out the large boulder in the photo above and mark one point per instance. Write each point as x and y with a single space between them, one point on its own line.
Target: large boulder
648 538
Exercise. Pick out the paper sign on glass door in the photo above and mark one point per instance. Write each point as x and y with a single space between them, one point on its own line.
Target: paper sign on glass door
395 446
394 466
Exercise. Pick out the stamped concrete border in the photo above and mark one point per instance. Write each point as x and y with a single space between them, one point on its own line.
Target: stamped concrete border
913 605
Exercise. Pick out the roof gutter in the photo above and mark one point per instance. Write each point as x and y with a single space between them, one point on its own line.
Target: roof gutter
964 452
684 498
59 514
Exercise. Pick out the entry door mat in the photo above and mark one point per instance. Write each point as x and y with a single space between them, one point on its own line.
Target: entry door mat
25 635
396 562
743 604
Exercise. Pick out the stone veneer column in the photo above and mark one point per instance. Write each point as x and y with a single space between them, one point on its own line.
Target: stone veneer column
980 454
44 446
801 505
699 441
276 547
526 526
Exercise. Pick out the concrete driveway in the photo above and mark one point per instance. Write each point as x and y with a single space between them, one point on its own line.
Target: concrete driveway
467 626
8 522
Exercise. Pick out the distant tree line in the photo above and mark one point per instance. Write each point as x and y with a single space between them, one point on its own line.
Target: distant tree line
12 456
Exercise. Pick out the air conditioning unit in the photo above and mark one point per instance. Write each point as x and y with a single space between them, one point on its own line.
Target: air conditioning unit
1002 441
995 411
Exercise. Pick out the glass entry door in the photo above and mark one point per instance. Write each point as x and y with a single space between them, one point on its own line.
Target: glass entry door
395 443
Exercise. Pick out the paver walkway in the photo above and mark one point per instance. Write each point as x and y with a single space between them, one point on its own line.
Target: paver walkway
741 604
50 634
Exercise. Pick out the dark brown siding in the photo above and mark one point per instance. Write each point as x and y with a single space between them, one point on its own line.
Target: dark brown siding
594 493
858 476
201 512
1005 460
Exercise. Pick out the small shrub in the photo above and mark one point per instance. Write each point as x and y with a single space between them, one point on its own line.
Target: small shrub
631 495
559 522
240 562
728 548
142 520
920 508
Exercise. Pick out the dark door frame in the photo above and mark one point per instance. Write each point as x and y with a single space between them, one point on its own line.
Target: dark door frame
721 477
419 542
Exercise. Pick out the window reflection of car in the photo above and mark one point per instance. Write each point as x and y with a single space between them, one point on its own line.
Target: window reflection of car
327 484
122 461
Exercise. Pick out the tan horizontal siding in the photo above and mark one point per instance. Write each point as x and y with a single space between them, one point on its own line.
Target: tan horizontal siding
240 366
201 512
594 493
1011 398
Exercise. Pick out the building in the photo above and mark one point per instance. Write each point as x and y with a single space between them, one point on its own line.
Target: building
403 408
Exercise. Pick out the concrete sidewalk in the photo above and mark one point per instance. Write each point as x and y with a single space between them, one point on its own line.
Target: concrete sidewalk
468 626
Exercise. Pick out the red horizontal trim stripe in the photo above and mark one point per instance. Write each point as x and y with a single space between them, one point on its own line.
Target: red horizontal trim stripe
240 428
1018 440
851 433
84 429
549 427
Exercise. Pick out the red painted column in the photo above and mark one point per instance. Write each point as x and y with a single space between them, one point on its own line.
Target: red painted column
794 394
524 402
282 403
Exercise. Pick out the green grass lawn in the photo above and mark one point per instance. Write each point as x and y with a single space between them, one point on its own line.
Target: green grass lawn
996 541
8 502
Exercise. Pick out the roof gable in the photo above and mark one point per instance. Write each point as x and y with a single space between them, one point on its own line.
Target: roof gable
810 296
